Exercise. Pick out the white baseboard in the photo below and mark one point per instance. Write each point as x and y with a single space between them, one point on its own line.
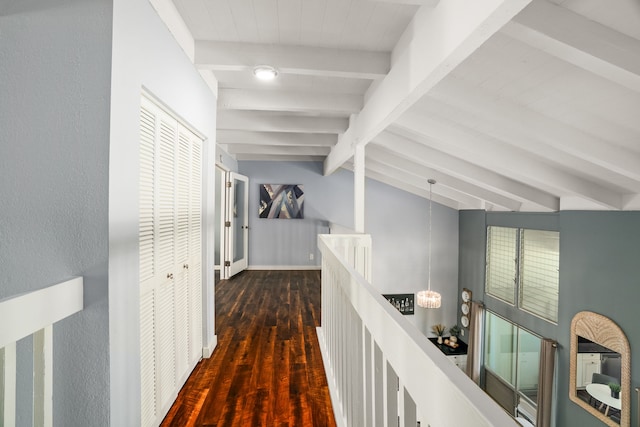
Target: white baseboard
284 267
341 421
207 351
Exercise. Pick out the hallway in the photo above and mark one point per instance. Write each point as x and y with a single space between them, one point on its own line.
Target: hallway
267 369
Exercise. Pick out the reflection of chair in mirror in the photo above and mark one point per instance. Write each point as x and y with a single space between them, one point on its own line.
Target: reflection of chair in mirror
597 378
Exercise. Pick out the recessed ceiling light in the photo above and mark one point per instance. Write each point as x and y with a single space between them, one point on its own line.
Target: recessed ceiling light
265 72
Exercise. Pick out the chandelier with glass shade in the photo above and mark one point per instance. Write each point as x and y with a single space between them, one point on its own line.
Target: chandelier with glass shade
429 298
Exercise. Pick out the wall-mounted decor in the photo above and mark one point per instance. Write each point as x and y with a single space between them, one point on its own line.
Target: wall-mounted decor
600 357
281 201
403 302
465 307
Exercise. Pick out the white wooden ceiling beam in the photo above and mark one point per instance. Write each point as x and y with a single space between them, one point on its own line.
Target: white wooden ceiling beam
276 150
384 156
278 158
304 60
211 81
428 3
444 190
285 139
270 121
584 43
168 13
264 100
552 139
467 171
400 183
503 158
441 38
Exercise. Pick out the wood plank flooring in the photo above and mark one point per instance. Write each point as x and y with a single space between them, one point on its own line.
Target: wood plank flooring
266 369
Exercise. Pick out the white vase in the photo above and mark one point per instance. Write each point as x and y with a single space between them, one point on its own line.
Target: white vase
439 339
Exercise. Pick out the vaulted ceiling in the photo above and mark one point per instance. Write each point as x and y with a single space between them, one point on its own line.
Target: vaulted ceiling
511 105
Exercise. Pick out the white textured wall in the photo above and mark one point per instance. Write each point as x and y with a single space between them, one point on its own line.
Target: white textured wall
55 62
145 55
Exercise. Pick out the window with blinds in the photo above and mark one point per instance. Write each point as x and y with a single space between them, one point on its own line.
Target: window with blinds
501 263
523 266
539 273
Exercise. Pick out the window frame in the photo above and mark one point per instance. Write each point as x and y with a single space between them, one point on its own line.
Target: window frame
515 382
518 282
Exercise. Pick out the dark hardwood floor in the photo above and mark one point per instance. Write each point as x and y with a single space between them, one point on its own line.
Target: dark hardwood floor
267 369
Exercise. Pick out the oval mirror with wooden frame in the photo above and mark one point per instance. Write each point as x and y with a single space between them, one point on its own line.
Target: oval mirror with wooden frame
600 357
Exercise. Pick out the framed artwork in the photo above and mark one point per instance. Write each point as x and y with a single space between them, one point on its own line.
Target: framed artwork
404 303
281 201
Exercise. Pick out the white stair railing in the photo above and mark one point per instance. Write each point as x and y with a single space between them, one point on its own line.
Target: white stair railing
34 314
382 371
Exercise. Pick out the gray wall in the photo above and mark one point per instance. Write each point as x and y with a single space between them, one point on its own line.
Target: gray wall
599 255
396 220
54 151
399 226
288 243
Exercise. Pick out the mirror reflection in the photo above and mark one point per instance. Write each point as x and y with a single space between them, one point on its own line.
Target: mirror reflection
600 369
598 377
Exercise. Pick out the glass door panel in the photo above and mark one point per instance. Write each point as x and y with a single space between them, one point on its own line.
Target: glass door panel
528 364
237 224
239 214
500 348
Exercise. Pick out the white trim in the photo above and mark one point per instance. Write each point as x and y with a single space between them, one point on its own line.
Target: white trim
43 377
284 267
8 384
207 351
22 315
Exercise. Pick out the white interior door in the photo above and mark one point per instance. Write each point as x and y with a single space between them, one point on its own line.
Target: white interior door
237 224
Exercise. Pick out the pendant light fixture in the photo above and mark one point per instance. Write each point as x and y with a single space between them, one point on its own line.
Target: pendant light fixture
429 298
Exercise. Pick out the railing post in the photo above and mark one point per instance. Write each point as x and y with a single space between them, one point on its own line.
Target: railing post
43 377
402 357
8 385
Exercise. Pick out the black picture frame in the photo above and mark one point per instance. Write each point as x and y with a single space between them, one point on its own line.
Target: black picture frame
404 303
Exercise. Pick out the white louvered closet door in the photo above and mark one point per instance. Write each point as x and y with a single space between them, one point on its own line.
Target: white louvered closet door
148 245
194 256
170 217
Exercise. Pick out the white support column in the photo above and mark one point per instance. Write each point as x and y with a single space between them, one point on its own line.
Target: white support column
43 377
8 385
358 188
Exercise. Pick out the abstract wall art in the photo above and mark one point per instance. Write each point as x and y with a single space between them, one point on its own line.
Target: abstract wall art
281 201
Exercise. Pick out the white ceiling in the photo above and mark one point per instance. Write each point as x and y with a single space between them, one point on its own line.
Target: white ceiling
516 105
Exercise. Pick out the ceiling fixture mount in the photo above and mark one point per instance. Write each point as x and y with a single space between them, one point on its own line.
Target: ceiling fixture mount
265 72
429 298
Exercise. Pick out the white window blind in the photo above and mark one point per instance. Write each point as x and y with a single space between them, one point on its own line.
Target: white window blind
539 273
523 266
501 263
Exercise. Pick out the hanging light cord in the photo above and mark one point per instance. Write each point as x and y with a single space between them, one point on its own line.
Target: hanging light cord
431 182
429 282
